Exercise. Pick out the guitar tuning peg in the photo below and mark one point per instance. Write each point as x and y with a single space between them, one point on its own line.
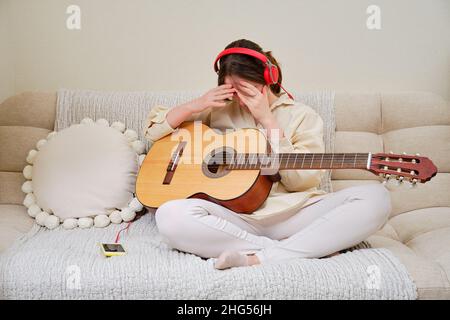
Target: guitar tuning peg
418 154
387 177
391 152
399 180
403 152
413 183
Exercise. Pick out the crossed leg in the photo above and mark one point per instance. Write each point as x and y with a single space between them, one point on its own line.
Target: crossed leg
338 221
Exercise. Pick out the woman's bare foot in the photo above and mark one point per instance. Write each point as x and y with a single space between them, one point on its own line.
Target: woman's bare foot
253 260
230 259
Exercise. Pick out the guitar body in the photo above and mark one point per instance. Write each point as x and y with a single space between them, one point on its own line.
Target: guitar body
242 191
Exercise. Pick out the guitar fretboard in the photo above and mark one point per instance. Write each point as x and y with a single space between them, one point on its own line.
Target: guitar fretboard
312 161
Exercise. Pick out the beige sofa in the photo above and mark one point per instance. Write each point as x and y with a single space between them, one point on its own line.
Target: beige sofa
418 232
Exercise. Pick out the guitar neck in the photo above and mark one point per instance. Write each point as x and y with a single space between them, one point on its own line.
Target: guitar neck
306 161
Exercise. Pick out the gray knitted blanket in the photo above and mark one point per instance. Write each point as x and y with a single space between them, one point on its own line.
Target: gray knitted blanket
67 264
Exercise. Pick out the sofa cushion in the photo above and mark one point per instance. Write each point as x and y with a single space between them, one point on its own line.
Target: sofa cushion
430 141
355 142
415 223
30 109
10 187
358 112
16 142
14 222
85 171
413 109
433 193
96 174
420 239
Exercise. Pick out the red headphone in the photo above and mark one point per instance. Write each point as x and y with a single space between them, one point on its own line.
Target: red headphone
270 71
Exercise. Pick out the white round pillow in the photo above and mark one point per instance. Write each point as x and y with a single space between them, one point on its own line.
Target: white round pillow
84 176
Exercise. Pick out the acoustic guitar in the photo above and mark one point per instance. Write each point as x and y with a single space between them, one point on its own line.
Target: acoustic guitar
237 169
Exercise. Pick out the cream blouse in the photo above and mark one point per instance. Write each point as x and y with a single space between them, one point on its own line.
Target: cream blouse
303 133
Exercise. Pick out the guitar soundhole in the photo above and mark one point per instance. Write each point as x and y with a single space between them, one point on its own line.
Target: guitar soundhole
214 163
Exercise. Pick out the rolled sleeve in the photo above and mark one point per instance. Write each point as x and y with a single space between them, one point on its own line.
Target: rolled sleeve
157 125
307 137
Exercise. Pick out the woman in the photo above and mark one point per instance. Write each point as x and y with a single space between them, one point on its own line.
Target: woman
297 220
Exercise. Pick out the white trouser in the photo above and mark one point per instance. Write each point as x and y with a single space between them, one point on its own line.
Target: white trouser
338 221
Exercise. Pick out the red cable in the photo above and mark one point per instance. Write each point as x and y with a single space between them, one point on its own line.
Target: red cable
118 233
289 95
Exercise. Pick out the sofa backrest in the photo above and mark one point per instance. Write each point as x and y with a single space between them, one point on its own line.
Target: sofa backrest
411 122
24 119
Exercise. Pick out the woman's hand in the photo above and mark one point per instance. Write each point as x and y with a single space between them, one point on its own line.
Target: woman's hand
213 98
258 104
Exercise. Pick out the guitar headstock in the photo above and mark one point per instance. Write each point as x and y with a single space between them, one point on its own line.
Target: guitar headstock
412 168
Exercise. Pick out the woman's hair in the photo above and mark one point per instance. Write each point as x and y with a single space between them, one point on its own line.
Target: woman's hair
247 67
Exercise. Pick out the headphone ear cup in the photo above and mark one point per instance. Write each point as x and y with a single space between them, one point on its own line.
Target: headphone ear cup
275 74
267 76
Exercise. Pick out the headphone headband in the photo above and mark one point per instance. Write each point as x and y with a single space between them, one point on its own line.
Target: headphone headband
249 52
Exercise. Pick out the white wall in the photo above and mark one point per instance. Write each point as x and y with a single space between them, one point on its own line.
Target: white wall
6 58
171 44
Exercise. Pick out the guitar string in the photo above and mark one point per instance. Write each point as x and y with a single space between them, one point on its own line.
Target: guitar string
252 159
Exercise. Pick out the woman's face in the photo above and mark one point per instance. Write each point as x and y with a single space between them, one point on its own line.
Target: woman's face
234 81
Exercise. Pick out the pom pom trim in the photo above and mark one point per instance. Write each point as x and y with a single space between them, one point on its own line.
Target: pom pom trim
116 216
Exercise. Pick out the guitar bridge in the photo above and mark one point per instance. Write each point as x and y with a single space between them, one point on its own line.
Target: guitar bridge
173 163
